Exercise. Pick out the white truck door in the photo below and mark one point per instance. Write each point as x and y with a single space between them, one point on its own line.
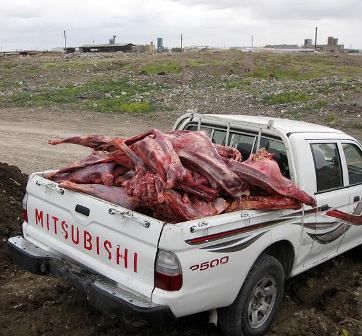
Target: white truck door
331 193
352 155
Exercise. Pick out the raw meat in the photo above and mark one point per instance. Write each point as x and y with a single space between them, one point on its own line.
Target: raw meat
228 152
197 185
115 195
263 202
197 152
97 142
177 207
178 176
263 172
96 157
159 156
146 186
118 180
101 173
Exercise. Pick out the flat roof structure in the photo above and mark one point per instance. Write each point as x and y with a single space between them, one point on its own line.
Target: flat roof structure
125 47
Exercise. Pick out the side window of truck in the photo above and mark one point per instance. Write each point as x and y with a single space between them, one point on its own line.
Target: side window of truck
327 166
354 162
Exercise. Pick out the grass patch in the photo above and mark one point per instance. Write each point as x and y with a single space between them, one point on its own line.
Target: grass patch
136 107
197 62
157 67
301 67
317 105
236 83
286 98
105 96
339 86
331 119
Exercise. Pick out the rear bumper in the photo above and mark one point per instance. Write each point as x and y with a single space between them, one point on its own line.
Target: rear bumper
101 292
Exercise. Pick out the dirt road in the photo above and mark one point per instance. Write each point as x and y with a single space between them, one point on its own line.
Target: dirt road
24 134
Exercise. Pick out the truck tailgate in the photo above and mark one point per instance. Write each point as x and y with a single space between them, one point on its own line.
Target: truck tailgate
112 240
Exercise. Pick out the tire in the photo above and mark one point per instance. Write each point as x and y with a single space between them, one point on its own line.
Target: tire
251 314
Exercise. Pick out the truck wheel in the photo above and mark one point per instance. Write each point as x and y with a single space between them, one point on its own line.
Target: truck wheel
258 301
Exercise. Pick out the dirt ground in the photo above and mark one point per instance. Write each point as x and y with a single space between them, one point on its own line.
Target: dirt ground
24 134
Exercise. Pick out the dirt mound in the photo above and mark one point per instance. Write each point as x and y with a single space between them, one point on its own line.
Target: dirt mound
12 188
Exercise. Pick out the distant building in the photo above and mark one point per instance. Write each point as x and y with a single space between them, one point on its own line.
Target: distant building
282 46
332 45
125 47
308 43
160 46
113 40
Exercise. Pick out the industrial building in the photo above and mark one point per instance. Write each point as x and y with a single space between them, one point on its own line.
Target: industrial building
332 45
112 46
160 47
125 47
282 46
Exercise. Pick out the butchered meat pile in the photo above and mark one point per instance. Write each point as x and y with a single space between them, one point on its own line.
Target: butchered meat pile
177 176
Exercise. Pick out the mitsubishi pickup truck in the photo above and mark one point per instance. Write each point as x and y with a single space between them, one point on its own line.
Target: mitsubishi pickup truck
233 265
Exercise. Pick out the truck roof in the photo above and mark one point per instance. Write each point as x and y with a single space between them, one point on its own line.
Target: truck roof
283 125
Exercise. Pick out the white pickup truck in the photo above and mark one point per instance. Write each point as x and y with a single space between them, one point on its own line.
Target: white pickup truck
234 264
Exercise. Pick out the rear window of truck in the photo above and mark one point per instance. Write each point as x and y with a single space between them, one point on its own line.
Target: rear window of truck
246 144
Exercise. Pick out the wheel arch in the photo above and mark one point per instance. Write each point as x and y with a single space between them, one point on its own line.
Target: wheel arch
283 251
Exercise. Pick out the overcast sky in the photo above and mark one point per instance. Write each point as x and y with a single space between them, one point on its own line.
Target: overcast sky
39 24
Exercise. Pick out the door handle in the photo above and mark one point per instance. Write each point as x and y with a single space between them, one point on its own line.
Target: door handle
356 199
324 207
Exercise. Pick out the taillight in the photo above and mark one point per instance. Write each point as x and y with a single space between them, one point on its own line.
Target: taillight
168 273
25 207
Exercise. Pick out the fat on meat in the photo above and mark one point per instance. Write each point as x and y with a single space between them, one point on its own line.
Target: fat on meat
263 202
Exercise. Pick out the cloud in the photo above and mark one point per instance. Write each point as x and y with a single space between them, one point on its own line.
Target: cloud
287 9
39 23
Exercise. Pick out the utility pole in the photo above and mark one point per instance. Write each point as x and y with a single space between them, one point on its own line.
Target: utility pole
65 40
252 41
181 43
315 38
